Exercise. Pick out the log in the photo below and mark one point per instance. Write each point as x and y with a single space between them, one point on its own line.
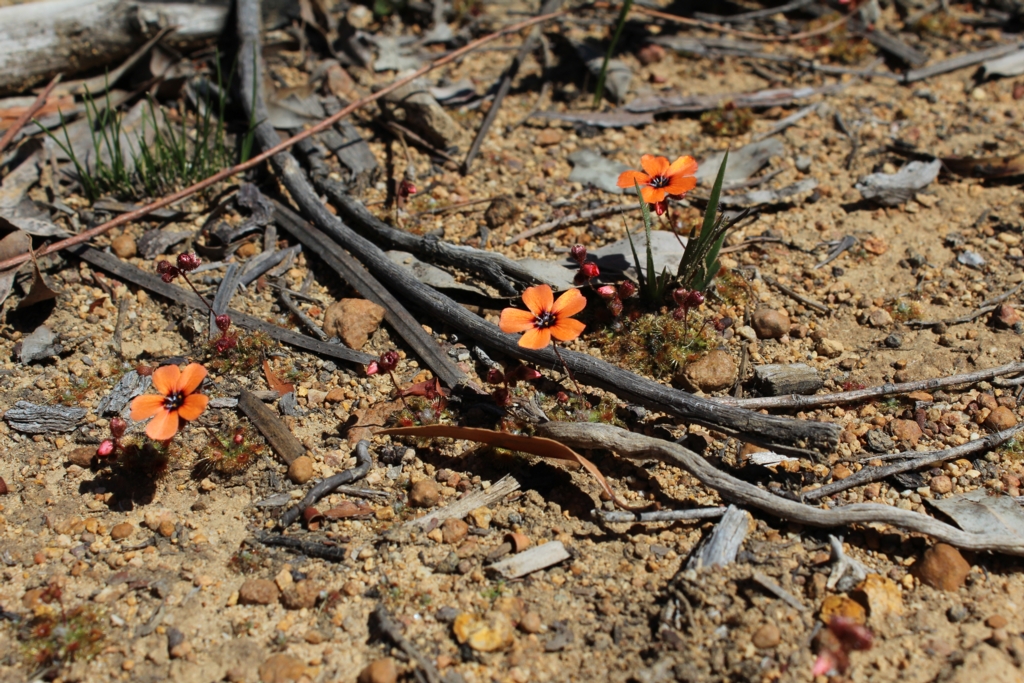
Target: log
794 378
39 40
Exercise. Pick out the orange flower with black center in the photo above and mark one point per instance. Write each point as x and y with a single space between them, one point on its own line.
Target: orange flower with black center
176 401
546 318
660 179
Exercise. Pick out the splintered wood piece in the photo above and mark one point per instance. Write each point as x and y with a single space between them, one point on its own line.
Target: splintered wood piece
271 427
461 508
529 561
721 548
30 418
793 378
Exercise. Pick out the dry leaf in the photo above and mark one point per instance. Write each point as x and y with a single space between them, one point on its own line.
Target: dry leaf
39 291
986 167
349 509
546 448
14 244
875 245
276 383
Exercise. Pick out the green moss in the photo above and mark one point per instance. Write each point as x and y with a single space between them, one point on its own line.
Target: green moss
658 344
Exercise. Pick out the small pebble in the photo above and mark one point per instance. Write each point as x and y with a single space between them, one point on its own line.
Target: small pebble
380 671
301 469
943 568
122 531
766 637
424 494
996 621
124 246
258 592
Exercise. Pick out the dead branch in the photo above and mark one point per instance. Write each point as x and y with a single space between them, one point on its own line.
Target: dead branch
916 461
271 427
822 400
325 486
258 159
639 447
28 113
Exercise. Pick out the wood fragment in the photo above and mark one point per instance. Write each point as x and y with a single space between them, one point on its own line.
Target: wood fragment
797 296
720 549
624 517
778 591
271 427
588 215
856 395
31 418
128 387
790 378
961 62
222 299
531 560
153 283
328 485
462 507
290 304
640 447
387 626
28 113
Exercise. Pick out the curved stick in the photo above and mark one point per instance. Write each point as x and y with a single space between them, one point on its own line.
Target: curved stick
363 463
638 447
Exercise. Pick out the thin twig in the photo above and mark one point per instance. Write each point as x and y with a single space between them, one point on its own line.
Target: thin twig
622 516
870 474
821 30
985 308
545 87
300 314
36 105
854 144
389 628
590 214
638 447
821 400
363 464
793 294
255 161
505 85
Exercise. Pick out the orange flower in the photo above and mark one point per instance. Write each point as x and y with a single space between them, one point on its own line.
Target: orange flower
661 179
546 318
176 401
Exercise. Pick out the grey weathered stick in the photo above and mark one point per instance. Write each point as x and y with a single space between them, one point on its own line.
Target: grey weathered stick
587 215
222 299
286 299
791 378
818 401
271 427
624 517
325 486
986 307
529 561
393 631
960 62
506 84
30 418
462 507
638 447
265 262
721 548
793 294
778 591
153 283
919 460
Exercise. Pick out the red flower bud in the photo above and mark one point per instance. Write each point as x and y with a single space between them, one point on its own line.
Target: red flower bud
225 344
169 277
660 207
406 188
239 438
589 270
694 299
627 289
117 427
164 266
223 322
578 253
607 292
495 376
106 449
679 296
388 361
851 634
678 314
522 373
562 397
615 306
188 262
502 397
372 368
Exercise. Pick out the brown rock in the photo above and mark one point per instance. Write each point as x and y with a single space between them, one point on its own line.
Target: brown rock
906 430
303 594
942 567
650 54
124 246
882 596
770 324
488 633
941 484
246 250
766 637
83 457
531 623
1001 418
380 671
424 494
353 321
1005 316
3 487
548 137
829 348
258 592
501 211
841 471
339 82
842 606
481 517
879 318
122 531
713 372
920 396
301 469
453 530
335 395
996 621
281 668
166 528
